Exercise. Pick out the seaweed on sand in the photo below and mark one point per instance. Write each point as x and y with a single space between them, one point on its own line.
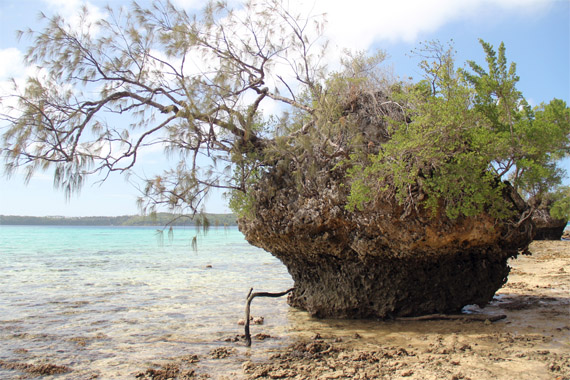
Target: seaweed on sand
42 369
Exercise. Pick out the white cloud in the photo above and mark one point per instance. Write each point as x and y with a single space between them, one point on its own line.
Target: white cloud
359 23
189 4
70 11
14 72
11 63
12 69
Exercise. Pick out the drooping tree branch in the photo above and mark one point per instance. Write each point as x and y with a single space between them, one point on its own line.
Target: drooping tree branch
131 71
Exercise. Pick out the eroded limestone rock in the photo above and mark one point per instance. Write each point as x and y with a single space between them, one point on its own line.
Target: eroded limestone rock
547 228
375 264
384 261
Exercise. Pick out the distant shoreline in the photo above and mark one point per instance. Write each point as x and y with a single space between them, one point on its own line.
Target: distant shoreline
160 219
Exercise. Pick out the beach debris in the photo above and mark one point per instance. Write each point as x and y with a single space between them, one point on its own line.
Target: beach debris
241 337
222 352
167 371
42 369
233 339
250 297
175 368
191 358
262 336
252 321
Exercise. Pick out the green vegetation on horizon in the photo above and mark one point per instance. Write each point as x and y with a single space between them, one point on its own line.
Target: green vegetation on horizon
160 219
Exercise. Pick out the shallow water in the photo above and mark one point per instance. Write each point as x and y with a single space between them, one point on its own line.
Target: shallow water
110 301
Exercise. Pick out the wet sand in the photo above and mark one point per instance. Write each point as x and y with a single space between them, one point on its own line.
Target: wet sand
532 342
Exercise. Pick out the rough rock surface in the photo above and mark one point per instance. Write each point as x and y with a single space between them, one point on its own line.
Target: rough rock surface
382 262
547 228
372 264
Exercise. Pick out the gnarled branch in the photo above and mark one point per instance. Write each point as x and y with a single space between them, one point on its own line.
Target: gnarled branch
250 297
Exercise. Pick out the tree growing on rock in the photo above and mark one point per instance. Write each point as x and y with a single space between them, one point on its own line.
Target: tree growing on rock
382 198
552 212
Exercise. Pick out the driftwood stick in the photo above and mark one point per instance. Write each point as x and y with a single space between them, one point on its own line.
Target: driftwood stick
250 297
466 317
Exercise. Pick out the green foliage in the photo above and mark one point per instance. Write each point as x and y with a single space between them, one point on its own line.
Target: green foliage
467 130
241 202
560 198
305 137
528 142
544 142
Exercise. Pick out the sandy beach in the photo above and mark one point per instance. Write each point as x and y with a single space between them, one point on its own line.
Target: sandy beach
532 342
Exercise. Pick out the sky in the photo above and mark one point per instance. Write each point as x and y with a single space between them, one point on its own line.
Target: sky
536 34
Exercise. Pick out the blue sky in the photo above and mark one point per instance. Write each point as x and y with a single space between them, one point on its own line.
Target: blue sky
536 34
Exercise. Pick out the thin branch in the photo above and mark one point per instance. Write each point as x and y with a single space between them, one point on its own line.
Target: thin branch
250 297
291 102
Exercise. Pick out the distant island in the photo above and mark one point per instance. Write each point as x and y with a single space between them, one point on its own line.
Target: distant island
159 219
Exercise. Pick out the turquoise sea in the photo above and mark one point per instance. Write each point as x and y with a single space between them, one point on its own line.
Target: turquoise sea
110 302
